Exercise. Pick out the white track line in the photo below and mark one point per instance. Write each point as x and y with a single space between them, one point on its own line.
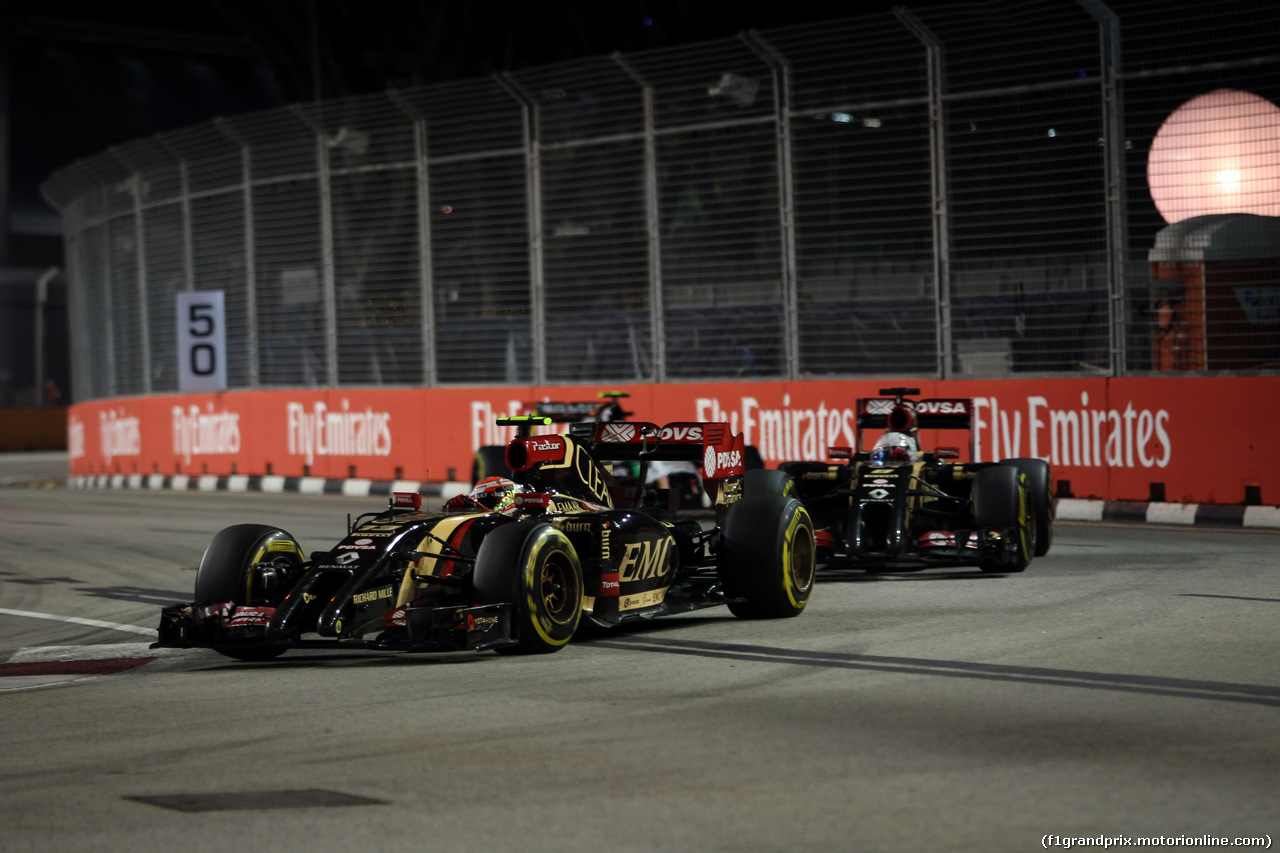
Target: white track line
76 620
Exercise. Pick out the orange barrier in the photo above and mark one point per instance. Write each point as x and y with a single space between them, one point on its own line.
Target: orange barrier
33 429
1187 439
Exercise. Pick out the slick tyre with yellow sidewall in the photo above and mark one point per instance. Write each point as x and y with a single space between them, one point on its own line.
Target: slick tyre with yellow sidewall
535 567
1040 484
766 556
767 481
1002 501
224 574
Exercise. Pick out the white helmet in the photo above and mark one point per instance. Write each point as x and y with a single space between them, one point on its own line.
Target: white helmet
894 448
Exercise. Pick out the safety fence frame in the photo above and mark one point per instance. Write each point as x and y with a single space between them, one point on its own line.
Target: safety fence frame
677 215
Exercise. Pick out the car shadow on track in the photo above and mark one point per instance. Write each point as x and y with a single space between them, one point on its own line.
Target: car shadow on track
851 575
588 635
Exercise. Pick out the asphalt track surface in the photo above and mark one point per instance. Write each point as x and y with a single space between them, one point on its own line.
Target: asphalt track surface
1126 685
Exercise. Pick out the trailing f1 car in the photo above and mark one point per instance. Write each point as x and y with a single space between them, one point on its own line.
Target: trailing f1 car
519 563
894 507
490 459
680 477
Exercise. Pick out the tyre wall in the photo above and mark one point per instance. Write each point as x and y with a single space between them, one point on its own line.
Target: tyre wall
1185 439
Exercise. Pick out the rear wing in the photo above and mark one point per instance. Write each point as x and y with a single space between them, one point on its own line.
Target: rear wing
949 413
572 464
898 413
711 445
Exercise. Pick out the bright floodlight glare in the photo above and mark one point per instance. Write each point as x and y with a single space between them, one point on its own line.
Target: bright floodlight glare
1217 153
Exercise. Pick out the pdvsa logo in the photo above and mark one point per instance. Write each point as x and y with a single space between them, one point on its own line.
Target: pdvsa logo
681 433
942 407
714 461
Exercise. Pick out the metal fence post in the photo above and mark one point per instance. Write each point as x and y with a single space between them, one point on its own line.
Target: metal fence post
42 307
250 253
1113 149
653 223
426 281
938 184
328 284
533 183
140 253
184 194
107 301
781 70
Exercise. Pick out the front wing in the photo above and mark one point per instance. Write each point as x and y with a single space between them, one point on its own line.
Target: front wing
439 628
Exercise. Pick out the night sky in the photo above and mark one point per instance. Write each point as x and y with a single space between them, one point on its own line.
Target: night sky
86 74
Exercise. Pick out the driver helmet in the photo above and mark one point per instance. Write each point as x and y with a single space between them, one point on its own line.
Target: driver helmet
494 493
894 448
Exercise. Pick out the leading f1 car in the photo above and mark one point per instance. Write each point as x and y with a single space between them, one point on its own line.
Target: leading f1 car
521 562
895 507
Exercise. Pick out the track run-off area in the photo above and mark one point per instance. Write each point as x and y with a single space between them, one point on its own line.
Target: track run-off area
1126 685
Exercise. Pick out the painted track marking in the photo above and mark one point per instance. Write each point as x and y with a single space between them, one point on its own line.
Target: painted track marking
76 620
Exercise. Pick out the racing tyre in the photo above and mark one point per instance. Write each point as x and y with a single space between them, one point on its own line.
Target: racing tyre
751 458
766 557
765 481
535 567
1001 501
489 461
224 575
1040 484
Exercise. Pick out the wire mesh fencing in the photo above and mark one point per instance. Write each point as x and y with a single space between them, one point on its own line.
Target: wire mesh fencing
985 190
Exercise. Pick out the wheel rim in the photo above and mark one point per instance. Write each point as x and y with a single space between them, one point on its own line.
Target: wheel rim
802 558
558 588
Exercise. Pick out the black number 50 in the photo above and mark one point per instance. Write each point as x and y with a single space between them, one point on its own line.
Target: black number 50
203 357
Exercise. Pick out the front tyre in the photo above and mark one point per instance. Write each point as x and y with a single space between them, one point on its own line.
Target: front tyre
1001 501
227 574
766 556
535 567
1040 485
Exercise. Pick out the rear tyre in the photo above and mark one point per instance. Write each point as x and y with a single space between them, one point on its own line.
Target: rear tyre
751 458
1040 485
766 556
535 567
1001 501
489 461
225 575
767 481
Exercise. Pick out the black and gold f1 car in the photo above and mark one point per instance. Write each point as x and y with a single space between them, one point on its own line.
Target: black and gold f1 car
517 565
490 459
897 508
680 477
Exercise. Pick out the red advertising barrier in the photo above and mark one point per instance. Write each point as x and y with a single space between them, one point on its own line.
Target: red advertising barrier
1186 439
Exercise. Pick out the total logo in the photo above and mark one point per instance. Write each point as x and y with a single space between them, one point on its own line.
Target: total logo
714 462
